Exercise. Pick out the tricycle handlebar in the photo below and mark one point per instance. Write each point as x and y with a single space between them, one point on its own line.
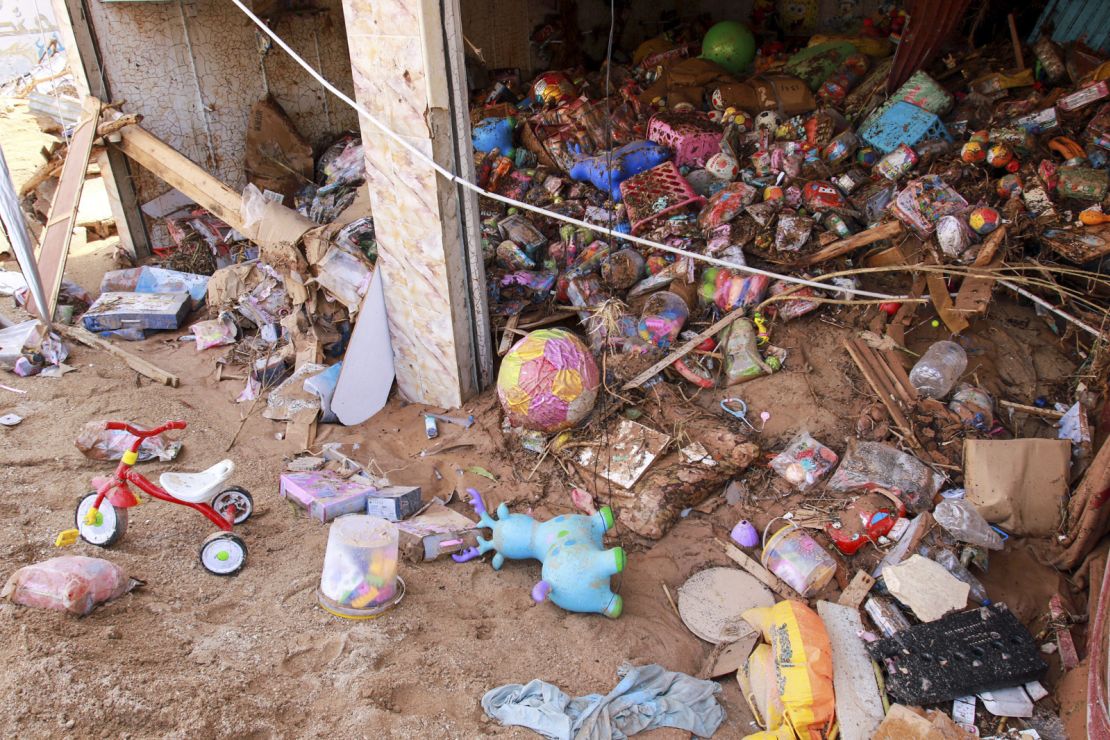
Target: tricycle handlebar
141 433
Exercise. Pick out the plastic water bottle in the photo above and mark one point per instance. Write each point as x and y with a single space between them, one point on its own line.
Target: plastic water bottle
953 565
938 369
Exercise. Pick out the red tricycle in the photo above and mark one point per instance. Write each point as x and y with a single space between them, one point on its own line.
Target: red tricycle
102 514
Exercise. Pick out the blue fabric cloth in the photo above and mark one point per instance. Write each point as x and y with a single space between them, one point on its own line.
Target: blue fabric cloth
646 697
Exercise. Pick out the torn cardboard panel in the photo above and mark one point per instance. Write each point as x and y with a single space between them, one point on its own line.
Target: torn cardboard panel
277 157
1019 484
625 454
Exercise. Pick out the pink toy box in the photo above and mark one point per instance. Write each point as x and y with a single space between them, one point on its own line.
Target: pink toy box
692 136
326 494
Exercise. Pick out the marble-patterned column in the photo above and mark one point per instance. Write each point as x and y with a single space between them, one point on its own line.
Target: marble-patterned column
400 76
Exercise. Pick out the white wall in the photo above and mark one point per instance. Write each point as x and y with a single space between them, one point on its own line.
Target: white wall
26 26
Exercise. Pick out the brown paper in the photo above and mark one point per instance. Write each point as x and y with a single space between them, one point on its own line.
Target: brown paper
1018 484
277 157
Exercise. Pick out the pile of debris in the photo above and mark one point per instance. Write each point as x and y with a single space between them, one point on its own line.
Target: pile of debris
686 217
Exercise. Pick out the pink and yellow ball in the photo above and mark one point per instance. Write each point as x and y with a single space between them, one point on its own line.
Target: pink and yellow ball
548 381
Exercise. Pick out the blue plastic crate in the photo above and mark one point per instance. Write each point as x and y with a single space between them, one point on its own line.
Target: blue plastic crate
904 123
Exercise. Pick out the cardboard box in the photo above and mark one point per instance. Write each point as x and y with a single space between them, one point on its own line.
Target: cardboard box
394 503
1018 484
325 494
438 531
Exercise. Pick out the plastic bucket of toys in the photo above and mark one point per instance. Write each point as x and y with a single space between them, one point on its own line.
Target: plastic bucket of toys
360 578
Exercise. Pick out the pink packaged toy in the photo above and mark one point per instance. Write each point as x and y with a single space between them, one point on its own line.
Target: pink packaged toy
693 137
326 494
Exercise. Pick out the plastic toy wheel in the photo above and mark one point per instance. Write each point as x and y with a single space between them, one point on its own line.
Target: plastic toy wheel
237 497
108 525
223 554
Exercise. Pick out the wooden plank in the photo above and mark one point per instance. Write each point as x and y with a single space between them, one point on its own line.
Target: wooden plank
56 238
854 242
766 577
942 302
178 171
990 246
974 295
684 350
135 362
1035 411
857 590
859 706
508 335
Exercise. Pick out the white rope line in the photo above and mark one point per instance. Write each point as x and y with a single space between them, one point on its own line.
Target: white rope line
417 154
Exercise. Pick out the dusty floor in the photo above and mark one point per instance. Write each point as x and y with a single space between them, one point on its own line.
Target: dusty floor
191 654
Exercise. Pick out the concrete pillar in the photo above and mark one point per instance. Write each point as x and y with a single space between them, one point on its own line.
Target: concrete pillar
434 285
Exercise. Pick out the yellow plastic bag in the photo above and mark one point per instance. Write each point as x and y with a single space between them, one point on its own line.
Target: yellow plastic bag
800 660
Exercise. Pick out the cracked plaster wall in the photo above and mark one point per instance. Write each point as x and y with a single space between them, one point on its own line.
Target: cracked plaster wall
147 61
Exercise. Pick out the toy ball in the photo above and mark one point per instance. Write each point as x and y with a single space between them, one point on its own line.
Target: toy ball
999 155
973 152
768 119
553 88
983 220
722 166
981 137
730 44
548 381
717 99
868 156
1009 186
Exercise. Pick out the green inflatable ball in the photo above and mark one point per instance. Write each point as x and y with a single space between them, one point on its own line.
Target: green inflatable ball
729 44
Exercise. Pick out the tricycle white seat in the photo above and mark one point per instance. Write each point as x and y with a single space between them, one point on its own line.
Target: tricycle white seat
199 487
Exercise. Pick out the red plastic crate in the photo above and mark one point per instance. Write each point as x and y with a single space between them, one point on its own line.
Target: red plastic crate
655 193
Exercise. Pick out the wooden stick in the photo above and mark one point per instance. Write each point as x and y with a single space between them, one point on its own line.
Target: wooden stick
110 127
1019 59
135 362
1035 411
684 350
852 243
990 247
886 395
764 576
507 335
674 606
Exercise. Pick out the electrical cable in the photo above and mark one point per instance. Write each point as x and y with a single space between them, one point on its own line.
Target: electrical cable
422 157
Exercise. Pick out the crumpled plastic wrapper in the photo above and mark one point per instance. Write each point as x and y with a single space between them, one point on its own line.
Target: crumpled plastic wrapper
96 442
73 584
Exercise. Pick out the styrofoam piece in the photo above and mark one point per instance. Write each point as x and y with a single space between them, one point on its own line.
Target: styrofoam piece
367 374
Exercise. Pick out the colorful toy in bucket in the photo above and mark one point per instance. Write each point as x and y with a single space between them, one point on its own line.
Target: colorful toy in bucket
797 559
576 565
359 579
663 317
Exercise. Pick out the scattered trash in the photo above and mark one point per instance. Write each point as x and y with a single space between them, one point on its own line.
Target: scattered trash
71 584
711 603
925 587
797 559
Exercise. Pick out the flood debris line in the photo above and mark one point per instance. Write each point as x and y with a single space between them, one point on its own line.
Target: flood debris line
677 241
967 180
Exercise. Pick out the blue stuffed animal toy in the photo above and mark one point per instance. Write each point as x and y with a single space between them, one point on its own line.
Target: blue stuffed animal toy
607 170
576 565
494 133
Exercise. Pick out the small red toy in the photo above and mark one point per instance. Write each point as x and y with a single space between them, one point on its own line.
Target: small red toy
873 522
101 515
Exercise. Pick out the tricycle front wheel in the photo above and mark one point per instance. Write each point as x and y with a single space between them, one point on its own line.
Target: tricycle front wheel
104 528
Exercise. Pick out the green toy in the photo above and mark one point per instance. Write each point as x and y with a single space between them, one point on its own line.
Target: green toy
729 44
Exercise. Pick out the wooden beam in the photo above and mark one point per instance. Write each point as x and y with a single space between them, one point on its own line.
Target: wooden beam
54 247
766 577
178 171
859 704
135 362
84 57
844 246
684 350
